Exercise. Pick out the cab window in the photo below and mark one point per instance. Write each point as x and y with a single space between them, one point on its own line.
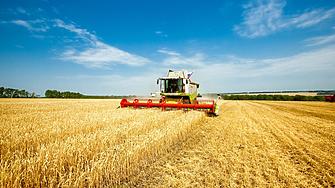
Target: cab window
173 85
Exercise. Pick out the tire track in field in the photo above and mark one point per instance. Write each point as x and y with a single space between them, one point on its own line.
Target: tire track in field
180 167
324 112
244 146
271 146
299 125
310 158
311 125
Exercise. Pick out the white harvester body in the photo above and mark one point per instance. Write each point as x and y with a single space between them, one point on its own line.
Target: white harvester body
177 85
177 92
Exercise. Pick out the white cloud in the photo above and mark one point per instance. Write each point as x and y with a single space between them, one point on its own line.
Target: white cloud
319 60
95 55
81 33
29 12
227 73
314 17
18 46
180 61
262 18
98 54
168 52
230 66
303 71
21 10
320 40
231 73
38 36
55 10
39 10
23 23
176 59
160 32
32 25
101 55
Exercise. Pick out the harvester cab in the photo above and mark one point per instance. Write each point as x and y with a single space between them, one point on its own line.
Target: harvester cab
177 85
177 92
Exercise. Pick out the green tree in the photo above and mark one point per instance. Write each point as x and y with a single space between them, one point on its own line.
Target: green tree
16 93
48 94
2 92
23 93
9 92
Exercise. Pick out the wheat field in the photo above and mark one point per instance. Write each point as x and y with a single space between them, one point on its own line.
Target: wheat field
90 143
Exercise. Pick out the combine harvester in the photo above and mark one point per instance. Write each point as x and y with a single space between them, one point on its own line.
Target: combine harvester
330 98
177 92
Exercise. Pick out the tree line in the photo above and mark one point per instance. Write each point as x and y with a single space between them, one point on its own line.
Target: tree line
108 96
77 95
16 93
274 97
64 94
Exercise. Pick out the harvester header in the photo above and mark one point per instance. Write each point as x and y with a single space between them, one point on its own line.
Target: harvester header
177 92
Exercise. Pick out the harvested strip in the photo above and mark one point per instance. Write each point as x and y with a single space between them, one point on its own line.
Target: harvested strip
249 144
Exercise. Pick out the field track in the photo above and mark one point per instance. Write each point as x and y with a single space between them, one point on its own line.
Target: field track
272 144
252 143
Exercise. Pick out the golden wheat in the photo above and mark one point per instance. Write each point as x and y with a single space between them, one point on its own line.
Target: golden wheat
253 144
82 143
77 143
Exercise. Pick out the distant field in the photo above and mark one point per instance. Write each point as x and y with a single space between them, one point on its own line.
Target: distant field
290 94
58 143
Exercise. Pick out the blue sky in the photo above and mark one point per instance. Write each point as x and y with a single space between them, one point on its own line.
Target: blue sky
122 47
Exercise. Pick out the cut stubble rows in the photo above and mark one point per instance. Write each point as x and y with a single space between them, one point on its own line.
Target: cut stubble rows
80 143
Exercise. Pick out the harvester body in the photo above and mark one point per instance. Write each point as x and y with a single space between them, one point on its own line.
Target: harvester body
177 85
330 98
177 92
